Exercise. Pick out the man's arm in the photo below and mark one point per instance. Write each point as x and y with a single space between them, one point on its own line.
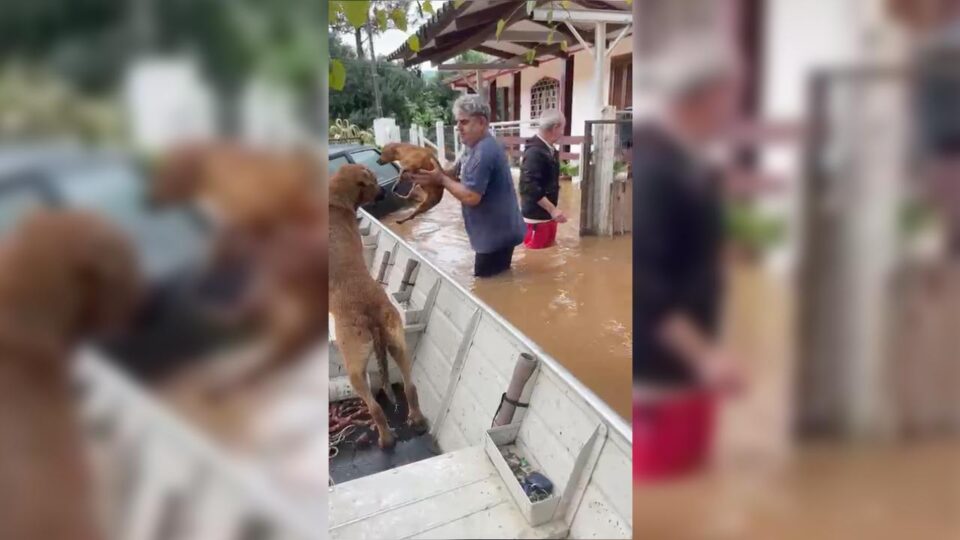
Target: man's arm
456 188
463 194
547 205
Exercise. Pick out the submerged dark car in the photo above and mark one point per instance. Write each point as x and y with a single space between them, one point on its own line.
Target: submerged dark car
387 174
172 245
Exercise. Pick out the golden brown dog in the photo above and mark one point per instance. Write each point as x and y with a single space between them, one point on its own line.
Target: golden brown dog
366 319
413 159
63 276
248 190
272 215
288 299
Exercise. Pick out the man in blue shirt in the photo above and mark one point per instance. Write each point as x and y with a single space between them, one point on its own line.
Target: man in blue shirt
491 213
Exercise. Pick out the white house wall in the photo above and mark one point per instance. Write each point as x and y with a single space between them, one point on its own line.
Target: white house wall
800 37
583 86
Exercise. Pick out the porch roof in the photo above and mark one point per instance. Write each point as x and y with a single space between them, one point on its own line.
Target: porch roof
473 26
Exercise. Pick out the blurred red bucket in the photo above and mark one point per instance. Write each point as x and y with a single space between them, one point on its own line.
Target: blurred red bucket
672 436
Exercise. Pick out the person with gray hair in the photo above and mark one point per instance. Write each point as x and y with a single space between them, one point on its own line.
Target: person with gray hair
679 363
491 214
540 182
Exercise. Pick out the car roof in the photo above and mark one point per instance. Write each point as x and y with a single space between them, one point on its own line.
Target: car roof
46 158
340 149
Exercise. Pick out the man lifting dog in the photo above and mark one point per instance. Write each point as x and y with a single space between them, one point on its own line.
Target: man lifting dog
491 213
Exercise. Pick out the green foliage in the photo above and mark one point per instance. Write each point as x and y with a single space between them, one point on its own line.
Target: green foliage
91 42
568 169
471 57
338 75
344 130
750 228
424 111
356 11
914 217
35 103
403 95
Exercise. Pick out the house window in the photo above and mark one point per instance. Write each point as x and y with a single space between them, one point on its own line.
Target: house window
503 104
544 95
621 81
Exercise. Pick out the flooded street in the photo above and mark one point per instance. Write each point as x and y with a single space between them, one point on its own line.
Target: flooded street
824 492
574 299
762 485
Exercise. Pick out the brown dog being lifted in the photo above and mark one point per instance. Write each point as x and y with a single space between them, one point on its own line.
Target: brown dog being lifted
63 276
248 191
271 213
366 319
414 159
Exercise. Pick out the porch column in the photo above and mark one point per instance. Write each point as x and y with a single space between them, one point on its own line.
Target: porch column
516 96
493 100
599 68
567 98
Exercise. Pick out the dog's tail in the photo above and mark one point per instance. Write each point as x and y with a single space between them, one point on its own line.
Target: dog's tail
380 349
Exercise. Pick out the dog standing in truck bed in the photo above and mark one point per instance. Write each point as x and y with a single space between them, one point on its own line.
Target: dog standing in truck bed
413 159
365 318
64 275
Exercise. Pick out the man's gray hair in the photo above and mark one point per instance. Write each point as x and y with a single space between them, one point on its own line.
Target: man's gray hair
688 68
551 119
472 105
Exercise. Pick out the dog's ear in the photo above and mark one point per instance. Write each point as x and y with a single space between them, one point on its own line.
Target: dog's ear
109 278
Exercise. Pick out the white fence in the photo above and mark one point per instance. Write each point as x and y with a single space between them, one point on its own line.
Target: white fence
417 135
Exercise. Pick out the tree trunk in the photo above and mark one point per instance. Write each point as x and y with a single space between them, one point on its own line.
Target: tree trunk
373 69
359 37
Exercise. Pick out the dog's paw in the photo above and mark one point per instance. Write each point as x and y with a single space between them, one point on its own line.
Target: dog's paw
387 443
419 426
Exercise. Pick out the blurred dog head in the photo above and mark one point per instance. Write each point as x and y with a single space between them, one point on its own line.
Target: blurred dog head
84 274
389 153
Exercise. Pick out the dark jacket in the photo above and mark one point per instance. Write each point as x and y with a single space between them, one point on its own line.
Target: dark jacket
539 178
677 240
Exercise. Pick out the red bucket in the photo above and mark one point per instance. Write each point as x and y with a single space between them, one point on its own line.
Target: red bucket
672 436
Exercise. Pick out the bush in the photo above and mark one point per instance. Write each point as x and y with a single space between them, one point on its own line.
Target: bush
37 104
403 95
568 169
749 228
344 130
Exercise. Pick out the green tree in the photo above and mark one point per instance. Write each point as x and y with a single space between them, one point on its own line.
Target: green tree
405 96
90 42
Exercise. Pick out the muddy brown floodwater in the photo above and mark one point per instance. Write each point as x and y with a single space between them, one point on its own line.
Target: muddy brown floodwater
763 484
574 299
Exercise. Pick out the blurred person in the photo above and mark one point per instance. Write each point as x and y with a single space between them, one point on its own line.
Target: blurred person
540 182
491 214
679 364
